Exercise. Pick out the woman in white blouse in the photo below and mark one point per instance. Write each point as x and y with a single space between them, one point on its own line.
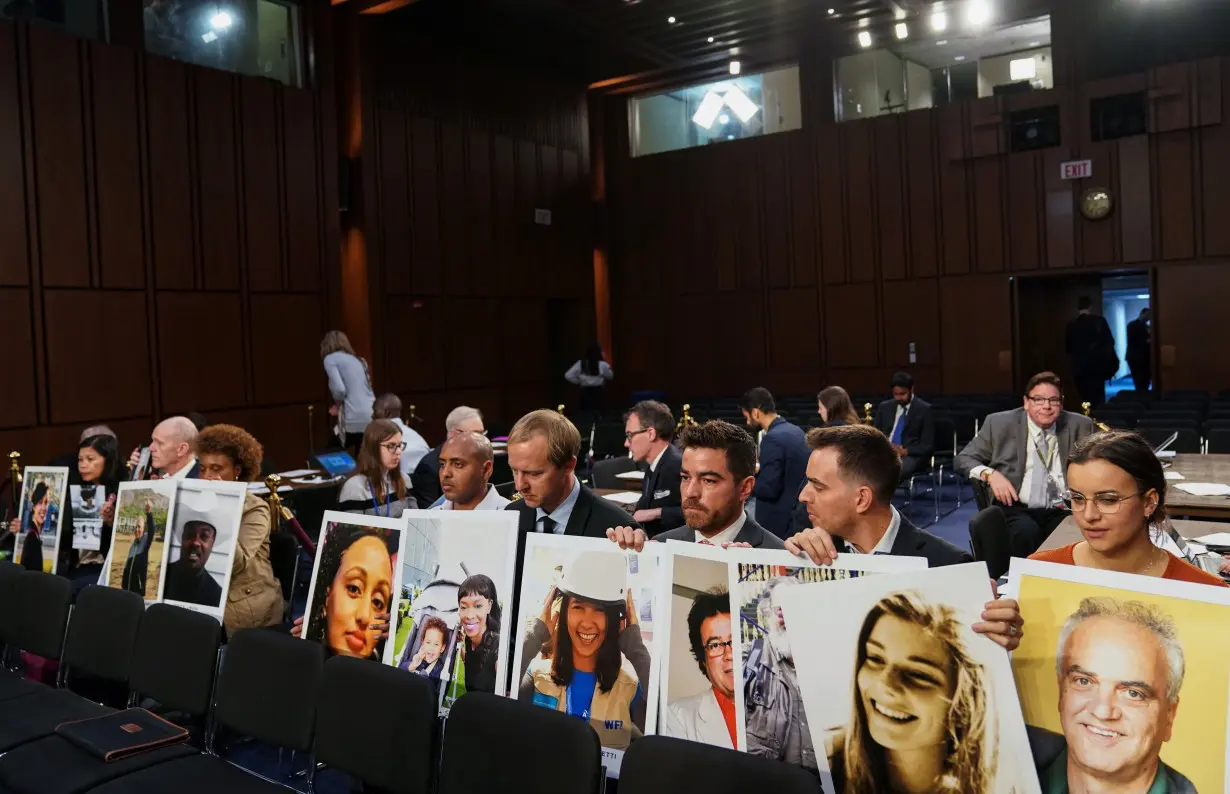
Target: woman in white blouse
591 374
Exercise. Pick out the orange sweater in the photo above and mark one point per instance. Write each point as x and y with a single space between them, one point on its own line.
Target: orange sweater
1176 569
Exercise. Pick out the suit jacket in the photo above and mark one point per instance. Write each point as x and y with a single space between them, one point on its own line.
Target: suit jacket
1138 341
1003 442
918 434
752 533
660 488
914 542
425 481
1091 345
783 467
1048 747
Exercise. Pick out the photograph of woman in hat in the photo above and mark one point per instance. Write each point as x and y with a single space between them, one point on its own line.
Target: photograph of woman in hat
585 653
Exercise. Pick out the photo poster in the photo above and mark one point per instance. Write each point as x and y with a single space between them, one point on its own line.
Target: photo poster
87 501
454 607
43 489
890 664
769 713
577 594
1091 632
143 512
355 579
200 548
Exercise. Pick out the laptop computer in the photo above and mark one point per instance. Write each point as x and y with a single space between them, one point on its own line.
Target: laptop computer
336 463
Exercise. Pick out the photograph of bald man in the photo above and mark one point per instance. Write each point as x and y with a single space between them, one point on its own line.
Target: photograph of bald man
466 460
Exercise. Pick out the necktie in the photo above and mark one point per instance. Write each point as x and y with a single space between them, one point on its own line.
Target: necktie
899 426
548 525
1041 488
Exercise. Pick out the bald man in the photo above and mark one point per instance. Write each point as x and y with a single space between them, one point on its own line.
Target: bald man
465 474
171 450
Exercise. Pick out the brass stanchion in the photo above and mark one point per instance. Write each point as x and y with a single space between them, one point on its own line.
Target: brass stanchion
15 473
1087 407
867 420
559 409
414 417
686 419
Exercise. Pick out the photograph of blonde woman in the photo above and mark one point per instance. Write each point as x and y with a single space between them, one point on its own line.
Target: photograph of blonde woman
143 512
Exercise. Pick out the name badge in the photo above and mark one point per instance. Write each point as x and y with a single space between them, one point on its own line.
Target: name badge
661 494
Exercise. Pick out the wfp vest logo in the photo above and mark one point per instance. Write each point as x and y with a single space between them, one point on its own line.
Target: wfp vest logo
613 725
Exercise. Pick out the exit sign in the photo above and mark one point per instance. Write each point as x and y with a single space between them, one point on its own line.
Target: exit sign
1076 169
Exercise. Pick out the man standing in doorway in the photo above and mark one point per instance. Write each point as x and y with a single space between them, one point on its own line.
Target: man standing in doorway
1091 347
1139 356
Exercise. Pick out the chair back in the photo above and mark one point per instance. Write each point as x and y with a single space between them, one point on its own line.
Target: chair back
42 603
175 658
605 470
103 634
663 765
512 736
8 593
284 559
1218 441
267 689
988 535
392 748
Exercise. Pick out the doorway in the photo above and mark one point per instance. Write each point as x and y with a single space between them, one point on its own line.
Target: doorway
1046 305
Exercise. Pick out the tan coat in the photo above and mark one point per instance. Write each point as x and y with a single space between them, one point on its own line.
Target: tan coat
255 597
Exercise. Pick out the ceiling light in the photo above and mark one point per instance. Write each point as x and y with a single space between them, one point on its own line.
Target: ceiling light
209 37
670 20
1143 297
735 67
743 107
959 58
939 21
978 12
831 12
864 22
1022 69
941 42
903 30
221 20
1035 44
723 119
864 39
708 111
710 39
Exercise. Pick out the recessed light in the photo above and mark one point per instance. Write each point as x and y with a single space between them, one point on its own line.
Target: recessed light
977 12
1035 44
832 11
959 58
735 67
710 39
941 42
864 39
670 20
723 119
864 22
939 21
903 30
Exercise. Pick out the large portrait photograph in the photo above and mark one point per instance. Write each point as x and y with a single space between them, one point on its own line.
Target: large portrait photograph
200 547
37 543
585 644
87 501
1124 680
769 714
901 694
455 596
143 514
355 581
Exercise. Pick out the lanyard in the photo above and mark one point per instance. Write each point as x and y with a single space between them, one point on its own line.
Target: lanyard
388 508
1050 451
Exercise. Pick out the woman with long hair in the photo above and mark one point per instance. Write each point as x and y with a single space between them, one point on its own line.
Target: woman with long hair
835 408
377 487
920 721
350 383
98 474
591 373
29 528
1117 492
354 591
231 454
478 636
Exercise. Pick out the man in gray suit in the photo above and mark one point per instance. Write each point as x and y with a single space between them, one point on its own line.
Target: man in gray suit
1022 456
716 478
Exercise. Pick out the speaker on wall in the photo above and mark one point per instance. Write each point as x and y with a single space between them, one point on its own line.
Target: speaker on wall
1034 128
1118 116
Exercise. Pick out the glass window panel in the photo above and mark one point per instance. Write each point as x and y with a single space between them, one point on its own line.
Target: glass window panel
255 37
81 18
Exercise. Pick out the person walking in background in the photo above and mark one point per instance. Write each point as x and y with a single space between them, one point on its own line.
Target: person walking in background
1091 347
350 383
783 462
1139 357
591 374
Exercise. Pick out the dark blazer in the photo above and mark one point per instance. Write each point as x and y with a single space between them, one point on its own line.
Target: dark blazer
914 542
1003 443
783 467
918 434
751 533
1091 346
1138 341
425 480
660 488
1048 746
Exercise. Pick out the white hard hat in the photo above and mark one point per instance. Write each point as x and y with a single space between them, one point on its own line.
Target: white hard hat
195 506
600 576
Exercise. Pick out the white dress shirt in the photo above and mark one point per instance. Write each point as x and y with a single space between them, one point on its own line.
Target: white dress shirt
561 514
492 501
416 447
727 535
182 474
654 466
885 546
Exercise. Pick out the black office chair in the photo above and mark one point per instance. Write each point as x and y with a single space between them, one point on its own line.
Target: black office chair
1188 441
391 749
604 472
512 735
284 559
663 765
16 626
989 541
1217 441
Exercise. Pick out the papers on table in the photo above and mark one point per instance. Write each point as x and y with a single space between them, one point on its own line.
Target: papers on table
1174 475
260 489
1216 539
628 498
317 480
631 475
1204 488
1166 453
290 475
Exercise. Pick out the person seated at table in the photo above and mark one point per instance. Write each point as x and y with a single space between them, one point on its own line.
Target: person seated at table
388 406
834 406
98 465
1117 492
466 461
377 487
425 481
170 450
231 454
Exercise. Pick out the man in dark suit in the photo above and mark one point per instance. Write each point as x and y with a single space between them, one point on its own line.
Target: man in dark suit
1022 456
783 461
425 480
909 425
1091 347
1139 351
716 479
648 430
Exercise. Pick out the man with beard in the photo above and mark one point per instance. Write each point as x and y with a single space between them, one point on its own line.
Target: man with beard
776 722
716 479
708 718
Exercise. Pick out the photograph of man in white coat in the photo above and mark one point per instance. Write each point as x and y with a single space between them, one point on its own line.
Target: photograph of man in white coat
708 717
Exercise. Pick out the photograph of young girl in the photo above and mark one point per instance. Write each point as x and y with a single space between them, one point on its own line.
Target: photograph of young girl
900 692
586 641
36 530
143 512
457 576
354 580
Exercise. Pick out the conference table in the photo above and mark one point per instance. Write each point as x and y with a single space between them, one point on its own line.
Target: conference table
1198 468
1068 532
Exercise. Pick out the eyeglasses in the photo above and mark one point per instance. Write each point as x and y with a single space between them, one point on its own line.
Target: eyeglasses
1107 503
628 436
395 447
716 648
1040 401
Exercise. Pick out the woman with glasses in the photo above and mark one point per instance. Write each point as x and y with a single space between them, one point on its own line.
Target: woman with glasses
1117 492
377 487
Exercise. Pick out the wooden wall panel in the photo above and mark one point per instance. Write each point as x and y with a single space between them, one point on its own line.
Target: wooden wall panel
285 340
777 219
749 233
800 159
218 192
1175 200
504 198
117 167
457 280
425 273
417 365
1098 238
856 142
113 359
479 214
262 210
832 207
1060 212
18 398
794 334
395 200
14 263
1189 325
59 159
954 217
976 334
890 202
988 229
170 178
851 326
921 204
911 314
195 362
1135 200
303 235
1024 205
